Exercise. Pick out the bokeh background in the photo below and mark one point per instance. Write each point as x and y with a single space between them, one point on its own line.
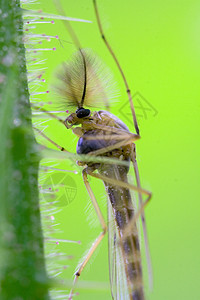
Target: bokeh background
158 46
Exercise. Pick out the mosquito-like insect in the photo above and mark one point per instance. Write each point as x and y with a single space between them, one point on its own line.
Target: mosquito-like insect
102 134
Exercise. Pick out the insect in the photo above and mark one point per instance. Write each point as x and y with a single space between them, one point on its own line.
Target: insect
103 135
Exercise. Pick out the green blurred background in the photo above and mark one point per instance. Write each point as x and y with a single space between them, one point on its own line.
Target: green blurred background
158 46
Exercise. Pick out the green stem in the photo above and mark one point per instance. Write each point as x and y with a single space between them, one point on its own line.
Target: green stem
22 266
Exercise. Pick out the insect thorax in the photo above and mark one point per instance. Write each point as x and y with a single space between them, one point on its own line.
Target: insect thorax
99 132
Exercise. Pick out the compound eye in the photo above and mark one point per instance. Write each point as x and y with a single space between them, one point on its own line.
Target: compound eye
82 112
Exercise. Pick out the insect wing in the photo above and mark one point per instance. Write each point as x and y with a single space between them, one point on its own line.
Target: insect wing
118 282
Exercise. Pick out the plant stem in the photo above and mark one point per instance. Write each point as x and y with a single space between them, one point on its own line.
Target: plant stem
22 266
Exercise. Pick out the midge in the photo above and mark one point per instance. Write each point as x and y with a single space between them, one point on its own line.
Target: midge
102 134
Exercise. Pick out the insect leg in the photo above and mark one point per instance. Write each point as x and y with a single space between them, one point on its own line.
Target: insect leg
142 205
149 266
128 186
124 185
85 172
128 232
130 137
50 140
118 65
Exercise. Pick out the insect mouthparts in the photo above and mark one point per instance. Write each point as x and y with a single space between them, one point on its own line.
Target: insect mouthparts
82 112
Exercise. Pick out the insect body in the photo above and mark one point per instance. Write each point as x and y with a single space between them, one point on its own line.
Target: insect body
102 132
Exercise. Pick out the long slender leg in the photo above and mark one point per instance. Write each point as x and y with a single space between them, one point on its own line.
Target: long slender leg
128 235
129 140
149 266
50 140
118 65
128 186
97 209
101 235
121 184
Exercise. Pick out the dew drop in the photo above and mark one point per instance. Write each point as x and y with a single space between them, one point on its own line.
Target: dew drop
17 122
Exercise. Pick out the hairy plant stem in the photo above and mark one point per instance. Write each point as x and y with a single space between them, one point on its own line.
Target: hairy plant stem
22 265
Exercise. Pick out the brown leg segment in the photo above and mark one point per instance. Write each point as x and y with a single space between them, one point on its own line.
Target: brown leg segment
118 65
149 266
101 235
